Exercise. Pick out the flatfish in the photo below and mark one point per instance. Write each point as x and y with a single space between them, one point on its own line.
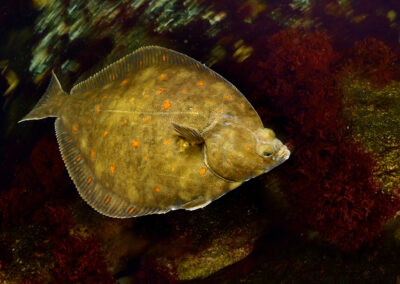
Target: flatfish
157 131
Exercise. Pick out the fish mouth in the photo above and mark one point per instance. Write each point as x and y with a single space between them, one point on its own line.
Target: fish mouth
282 155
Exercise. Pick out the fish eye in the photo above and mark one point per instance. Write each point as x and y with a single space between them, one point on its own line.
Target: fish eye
267 154
266 150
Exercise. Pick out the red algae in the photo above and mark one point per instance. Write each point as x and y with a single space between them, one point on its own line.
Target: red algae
37 205
331 177
373 60
79 261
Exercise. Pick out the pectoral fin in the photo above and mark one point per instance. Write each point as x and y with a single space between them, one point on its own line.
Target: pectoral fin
191 135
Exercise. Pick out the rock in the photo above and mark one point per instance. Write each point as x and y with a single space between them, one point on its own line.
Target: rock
373 115
215 254
207 240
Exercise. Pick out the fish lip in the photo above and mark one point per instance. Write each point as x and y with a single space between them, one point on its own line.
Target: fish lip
282 155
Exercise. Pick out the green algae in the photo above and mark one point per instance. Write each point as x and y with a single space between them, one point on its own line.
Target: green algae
60 23
374 119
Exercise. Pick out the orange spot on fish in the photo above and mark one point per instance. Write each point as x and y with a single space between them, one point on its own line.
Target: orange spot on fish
135 143
113 77
112 168
227 96
92 154
107 200
131 100
78 159
60 104
74 128
89 121
105 133
125 121
89 180
147 118
166 105
124 82
160 91
248 148
104 97
98 108
166 142
202 171
197 65
173 169
146 157
87 93
164 58
131 210
146 95
68 139
228 164
200 83
141 63
219 111
219 187
184 91
157 189
163 76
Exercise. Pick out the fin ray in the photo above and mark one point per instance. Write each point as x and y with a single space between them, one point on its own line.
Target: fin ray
191 135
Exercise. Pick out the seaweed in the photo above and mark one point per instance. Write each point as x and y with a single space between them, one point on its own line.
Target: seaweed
372 60
37 239
331 178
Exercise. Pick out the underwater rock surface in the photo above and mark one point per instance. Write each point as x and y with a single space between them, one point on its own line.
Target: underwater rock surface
374 116
197 252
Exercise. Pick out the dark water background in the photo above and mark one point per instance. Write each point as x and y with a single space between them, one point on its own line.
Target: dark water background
322 74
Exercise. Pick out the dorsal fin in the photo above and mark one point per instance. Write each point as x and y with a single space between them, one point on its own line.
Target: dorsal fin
135 61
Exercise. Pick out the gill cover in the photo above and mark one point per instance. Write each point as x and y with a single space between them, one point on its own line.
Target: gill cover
230 151
234 152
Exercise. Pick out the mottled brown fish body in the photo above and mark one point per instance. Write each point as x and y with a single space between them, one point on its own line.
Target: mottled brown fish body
129 129
118 141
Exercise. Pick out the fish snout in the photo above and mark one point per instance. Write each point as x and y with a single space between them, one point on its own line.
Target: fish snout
282 155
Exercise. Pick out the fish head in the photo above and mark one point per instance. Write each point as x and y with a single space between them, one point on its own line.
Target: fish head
235 152
272 151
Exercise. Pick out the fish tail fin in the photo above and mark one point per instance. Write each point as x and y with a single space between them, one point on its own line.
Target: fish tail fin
50 103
